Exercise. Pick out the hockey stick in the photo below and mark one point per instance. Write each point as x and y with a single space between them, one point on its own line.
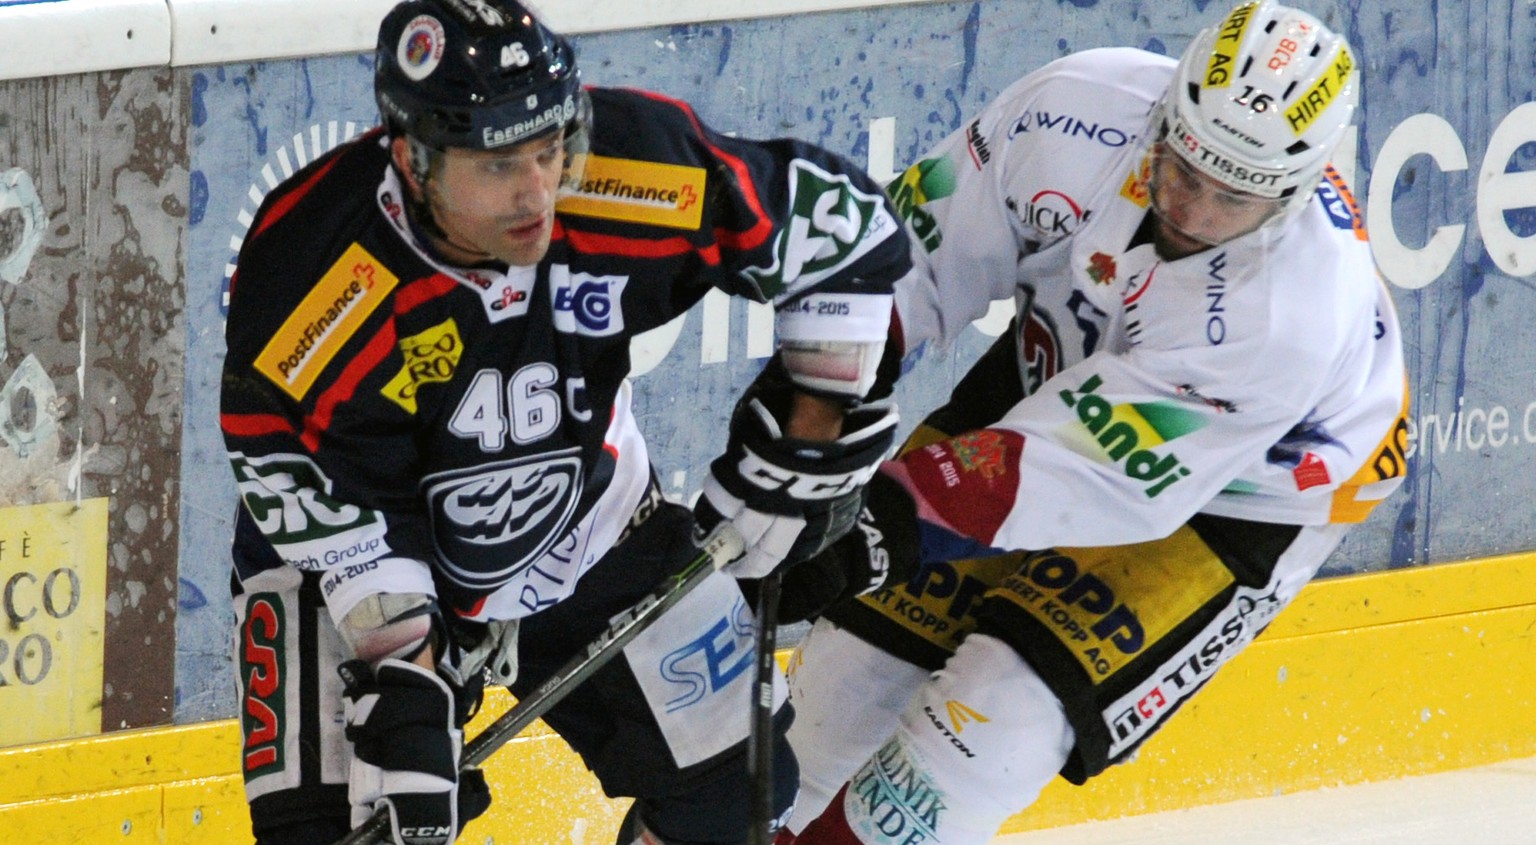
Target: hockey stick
760 741
722 546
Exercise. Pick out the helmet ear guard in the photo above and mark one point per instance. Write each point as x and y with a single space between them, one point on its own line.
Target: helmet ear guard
1259 101
422 158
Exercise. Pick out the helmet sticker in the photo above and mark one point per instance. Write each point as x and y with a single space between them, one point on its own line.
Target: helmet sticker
515 55
1309 106
1211 161
1229 37
478 9
421 47
557 114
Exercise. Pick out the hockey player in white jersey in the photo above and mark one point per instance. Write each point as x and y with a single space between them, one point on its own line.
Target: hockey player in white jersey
1202 390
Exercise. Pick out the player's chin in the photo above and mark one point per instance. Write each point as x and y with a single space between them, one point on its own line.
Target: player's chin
1172 244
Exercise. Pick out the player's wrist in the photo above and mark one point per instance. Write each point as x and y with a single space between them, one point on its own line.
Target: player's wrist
814 418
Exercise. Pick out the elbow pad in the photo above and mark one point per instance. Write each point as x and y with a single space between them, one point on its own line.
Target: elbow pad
839 370
388 625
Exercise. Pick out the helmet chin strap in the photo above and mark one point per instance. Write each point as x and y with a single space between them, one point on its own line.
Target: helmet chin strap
437 232
420 209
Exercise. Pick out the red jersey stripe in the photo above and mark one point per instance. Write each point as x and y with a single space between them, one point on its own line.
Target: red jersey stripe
254 425
593 243
763 228
423 291
285 203
377 350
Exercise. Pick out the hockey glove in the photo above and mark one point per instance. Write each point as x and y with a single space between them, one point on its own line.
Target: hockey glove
791 498
881 551
406 743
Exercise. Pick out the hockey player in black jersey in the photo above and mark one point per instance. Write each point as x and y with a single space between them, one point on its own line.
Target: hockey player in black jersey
426 405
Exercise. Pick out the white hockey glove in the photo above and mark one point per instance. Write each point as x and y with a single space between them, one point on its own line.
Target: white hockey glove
791 498
407 744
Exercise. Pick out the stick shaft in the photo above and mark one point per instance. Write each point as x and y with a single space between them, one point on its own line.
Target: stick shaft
760 740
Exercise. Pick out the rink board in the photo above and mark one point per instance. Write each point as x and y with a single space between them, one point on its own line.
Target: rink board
128 178
1365 677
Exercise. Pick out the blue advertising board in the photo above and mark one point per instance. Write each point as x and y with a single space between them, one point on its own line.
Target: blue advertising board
1442 162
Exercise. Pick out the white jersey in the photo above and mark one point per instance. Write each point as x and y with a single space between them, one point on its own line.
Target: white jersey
1260 379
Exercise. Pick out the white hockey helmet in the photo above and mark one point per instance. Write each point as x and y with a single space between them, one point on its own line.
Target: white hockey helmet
1259 101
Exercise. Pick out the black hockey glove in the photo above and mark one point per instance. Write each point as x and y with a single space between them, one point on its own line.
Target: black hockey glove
790 498
407 742
881 551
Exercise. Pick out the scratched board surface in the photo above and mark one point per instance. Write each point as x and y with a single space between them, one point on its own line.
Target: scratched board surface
93 186
1442 87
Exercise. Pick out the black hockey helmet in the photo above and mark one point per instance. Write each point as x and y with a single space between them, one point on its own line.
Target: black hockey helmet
477 74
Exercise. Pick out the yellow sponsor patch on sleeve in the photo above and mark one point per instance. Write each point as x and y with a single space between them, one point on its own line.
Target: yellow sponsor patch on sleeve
430 356
1377 477
670 195
327 318
1135 187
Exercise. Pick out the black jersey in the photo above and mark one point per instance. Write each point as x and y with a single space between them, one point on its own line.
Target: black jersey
404 425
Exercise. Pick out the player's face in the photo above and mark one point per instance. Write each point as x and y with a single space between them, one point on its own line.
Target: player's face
1195 212
498 202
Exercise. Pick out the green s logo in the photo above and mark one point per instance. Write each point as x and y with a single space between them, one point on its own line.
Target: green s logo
831 225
